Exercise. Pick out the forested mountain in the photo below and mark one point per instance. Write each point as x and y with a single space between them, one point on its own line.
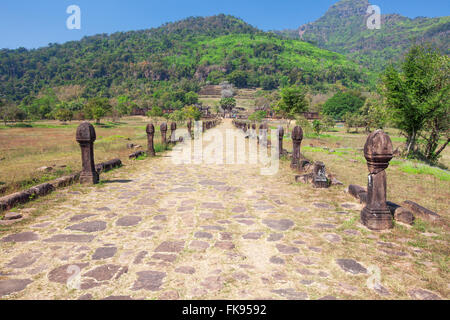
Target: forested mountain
194 50
343 29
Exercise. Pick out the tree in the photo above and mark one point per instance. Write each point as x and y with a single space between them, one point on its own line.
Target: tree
123 106
155 112
317 126
328 122
239 78
373 114
293 102
228 104
258 116
97 108
63 113
190 98
341 103
177 116
417 98
192 112
10 112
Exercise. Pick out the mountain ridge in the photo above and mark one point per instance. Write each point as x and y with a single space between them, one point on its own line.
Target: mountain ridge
343 29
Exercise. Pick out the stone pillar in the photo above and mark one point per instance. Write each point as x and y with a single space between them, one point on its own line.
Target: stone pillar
280 132
253 133
85 137
163 128
173 128
378 152
297 137
150 134
319 175
189 127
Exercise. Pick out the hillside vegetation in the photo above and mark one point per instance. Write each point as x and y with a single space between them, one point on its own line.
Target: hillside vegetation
343 29
137 63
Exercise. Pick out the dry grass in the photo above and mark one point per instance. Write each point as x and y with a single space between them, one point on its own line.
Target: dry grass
407 180
50 143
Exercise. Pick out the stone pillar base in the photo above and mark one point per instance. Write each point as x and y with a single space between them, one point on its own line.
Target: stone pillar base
377 219
89 178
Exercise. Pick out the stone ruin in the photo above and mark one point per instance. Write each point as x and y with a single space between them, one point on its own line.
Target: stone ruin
150 130
163 129
85 136
173 129
378 152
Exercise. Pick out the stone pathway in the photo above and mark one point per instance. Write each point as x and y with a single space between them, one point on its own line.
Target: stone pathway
169 231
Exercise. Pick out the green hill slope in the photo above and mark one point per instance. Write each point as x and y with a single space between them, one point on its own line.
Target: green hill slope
200 50
343 29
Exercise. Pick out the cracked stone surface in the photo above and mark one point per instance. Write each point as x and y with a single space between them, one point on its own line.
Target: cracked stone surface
200 231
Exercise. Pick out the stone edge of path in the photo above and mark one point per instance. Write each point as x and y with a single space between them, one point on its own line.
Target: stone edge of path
10 201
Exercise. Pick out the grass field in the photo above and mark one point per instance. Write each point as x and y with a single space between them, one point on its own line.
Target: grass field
26 147
343 156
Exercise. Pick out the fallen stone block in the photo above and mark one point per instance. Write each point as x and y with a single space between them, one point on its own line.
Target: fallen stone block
65 181
420 211
9 201
404 215
355 190
136 154
44 169
109 165
12 216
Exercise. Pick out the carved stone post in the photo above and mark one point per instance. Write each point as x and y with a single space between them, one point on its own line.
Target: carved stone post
297 137
189 127
319 175
253 133
173 128
85 137
163 129
150 134
280 131
378 152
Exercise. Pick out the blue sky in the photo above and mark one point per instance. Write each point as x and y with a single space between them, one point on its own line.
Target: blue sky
33 24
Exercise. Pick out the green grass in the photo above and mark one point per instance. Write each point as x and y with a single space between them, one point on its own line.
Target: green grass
417 168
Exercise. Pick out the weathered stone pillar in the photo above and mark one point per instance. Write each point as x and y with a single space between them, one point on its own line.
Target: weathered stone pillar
85 137
163 128
280 131
189 127
378 152
173 128
150 134
297 137
319 175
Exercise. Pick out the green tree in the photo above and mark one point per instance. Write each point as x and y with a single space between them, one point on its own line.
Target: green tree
341 103
293 102
97 108
155 112
417 98
228 104
317 126
258 116
328 122
63 112
192 112
190 98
